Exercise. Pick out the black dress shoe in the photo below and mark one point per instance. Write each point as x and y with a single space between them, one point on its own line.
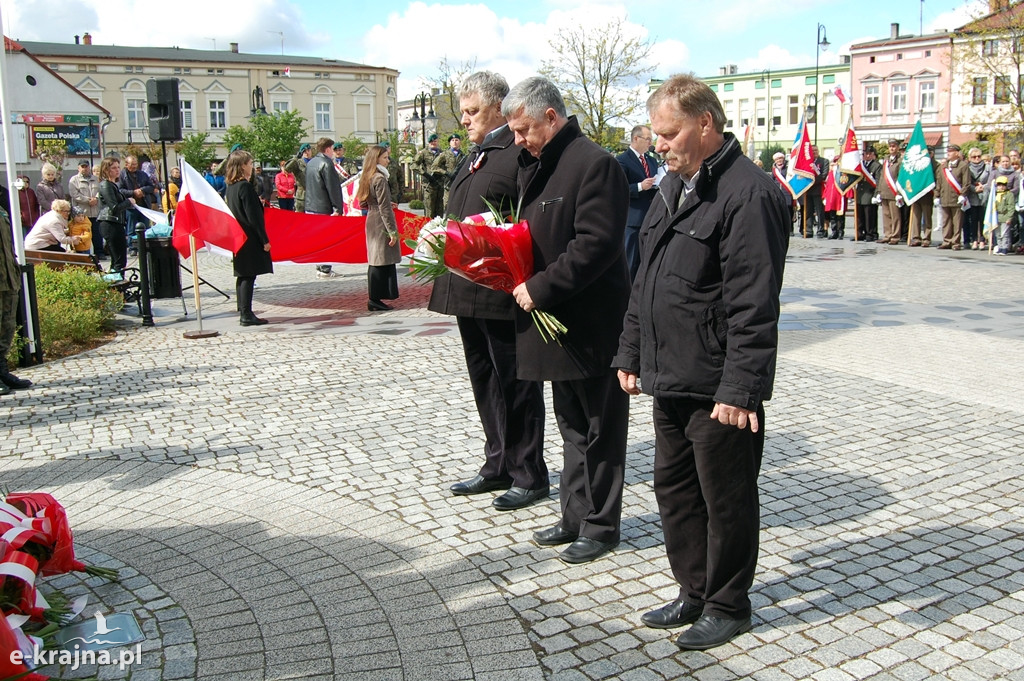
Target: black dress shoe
675 614
553 536
478 485
585 549
378 306
517 497
251 320
710 632
4 390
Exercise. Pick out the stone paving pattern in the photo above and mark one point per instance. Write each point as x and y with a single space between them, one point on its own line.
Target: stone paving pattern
276 497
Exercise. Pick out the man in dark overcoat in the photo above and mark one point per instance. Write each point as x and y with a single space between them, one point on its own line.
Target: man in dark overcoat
701 334
573 194
511 411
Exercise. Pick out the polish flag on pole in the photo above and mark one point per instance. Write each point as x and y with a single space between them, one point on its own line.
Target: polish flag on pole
348 195
840 94
203 214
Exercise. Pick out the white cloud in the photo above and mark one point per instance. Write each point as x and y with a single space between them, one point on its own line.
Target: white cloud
669 57
958 16
188 23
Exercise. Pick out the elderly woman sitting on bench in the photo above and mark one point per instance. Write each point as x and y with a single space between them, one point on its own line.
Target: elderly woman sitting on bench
50 232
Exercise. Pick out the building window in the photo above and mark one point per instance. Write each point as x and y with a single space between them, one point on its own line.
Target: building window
927 91
280 107
760 113
218 114
714 87
871 99
927 53
794 110
828 79
81 67
989 48
758 84
186 114
979 91
776 82
899 98
811 80
744 112
728 87
136 114
1002 90
323 116
775 111
871 59
727 108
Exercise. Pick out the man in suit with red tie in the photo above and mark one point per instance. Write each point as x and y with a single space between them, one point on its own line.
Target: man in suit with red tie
640 167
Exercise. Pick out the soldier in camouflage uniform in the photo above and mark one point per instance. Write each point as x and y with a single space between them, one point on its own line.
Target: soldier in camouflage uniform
448 161
297 167
395 181
432 184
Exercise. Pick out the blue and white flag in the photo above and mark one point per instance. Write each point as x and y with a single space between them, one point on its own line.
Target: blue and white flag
800 172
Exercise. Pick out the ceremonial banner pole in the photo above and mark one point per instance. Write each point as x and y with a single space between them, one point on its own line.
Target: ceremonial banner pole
856 218
199 333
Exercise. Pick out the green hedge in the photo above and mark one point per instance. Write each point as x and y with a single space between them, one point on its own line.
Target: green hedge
75 307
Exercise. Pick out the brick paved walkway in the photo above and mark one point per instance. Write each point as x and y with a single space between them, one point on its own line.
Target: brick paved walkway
277 498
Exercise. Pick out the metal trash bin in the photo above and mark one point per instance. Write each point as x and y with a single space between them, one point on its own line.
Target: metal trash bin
164 273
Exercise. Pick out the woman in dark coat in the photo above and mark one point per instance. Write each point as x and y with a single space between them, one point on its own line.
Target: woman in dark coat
110 220
253 258
382 249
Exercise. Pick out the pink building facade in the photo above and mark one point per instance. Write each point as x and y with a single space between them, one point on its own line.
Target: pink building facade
898 81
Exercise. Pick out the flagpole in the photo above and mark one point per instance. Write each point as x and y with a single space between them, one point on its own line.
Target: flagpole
856 218
195 291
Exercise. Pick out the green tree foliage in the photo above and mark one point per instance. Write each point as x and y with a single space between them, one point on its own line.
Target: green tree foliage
54 151
269 138
600 73
196 151
767 153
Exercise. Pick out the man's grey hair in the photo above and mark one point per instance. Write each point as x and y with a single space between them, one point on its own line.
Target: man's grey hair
973 150
691 97
532 97
492 87
637 131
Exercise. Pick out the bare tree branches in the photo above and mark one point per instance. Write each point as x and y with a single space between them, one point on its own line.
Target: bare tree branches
600 73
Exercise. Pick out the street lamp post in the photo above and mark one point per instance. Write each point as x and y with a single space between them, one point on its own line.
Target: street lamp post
766 76
421 116
821 46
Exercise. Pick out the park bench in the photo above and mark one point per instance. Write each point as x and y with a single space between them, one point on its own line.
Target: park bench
127 285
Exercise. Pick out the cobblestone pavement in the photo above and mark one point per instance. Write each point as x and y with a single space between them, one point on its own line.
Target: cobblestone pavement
276 497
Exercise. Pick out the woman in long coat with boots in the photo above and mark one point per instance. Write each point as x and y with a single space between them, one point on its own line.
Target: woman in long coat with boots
382 249
253 258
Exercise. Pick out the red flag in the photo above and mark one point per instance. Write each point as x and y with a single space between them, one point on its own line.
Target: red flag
305 238
203 213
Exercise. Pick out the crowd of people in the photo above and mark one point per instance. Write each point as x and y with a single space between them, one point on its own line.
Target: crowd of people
963 191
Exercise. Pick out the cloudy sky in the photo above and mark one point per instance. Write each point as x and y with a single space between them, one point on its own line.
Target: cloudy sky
509 37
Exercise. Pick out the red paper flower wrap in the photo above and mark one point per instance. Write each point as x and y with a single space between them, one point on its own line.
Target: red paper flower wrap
18 571
42 505
499 258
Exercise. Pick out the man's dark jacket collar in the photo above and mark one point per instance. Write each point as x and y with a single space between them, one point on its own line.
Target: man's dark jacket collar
710 168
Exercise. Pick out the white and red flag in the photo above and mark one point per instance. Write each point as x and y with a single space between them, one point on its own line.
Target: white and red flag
800 172
202 213
850 165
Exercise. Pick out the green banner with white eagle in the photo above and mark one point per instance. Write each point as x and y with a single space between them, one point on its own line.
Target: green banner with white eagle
916 177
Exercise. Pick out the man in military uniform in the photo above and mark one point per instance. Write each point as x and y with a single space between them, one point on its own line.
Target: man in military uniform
867 188
346 167
432 184
447 162
892 219
297 167
395 184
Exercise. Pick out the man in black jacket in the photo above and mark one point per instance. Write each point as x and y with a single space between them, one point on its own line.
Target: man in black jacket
511 411
574 197
701 334
323 191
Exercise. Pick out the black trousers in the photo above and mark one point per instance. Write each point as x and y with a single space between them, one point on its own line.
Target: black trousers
705 481
867 221
633 250
511 411
593 418
117 244
381 282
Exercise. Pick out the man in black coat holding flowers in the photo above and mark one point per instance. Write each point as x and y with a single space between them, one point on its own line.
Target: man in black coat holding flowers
574 197
511 410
